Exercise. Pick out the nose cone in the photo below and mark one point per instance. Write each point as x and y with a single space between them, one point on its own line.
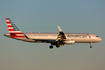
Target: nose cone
99 39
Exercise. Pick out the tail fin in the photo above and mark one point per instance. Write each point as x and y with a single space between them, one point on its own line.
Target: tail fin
13 29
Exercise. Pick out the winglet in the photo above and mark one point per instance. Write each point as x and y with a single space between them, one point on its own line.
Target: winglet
59 29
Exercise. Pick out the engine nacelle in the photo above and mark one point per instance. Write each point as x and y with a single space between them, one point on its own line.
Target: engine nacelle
69 41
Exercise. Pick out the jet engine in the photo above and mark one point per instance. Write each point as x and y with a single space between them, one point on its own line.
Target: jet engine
70 41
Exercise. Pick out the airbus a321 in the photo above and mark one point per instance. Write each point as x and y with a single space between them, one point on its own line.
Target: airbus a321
57 39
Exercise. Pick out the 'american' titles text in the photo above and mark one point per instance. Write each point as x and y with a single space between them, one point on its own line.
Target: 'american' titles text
77 36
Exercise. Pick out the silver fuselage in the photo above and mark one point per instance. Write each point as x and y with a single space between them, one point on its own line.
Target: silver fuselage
77 37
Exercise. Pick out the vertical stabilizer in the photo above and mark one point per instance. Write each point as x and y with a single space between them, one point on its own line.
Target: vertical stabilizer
13 29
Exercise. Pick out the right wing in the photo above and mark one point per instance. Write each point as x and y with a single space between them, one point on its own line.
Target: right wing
61 35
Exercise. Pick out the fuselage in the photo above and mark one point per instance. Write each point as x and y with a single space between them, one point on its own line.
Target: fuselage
77 37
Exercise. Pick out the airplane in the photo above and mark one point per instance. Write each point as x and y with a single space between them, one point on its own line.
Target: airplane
56 39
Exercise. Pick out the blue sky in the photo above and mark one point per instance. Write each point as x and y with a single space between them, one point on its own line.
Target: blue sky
73 16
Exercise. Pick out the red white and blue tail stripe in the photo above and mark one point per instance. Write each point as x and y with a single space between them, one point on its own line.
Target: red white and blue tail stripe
13 30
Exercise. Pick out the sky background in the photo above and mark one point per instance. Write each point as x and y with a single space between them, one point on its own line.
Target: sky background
73 16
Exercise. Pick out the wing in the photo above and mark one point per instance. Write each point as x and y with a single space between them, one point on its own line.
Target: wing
44 41
61 35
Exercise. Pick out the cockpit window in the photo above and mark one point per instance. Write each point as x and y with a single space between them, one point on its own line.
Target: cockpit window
97 36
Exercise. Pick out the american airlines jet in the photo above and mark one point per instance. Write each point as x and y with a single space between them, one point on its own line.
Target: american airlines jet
57 39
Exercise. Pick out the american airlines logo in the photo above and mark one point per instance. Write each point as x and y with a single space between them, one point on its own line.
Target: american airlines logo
77 36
